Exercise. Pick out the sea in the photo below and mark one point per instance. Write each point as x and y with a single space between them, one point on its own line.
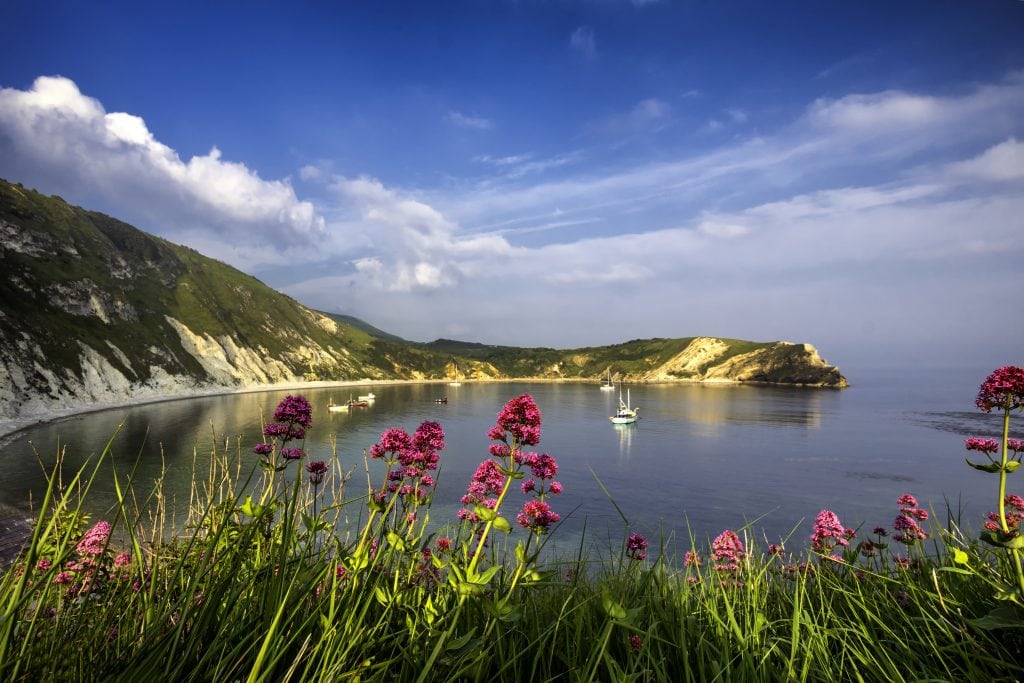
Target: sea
702 458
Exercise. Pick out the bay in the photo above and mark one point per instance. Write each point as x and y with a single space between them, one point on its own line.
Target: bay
702 458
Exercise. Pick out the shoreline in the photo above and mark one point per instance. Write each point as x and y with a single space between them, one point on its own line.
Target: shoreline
11 427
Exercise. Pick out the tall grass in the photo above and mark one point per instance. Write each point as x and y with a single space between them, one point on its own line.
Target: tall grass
278 575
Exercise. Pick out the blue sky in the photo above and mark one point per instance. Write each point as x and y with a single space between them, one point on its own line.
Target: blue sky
559 173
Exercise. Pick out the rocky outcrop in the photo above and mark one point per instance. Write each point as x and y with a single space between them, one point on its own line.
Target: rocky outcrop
708 359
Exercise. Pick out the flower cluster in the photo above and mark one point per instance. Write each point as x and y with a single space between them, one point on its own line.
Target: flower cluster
89 570
829 532
906 525
537 516
486 484
986 446
727 549
410 459
317 469
1004 388
1014 515
518 424
519 419
636 547
95 540
293 416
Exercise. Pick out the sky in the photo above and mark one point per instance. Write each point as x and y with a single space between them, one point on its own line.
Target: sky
559 173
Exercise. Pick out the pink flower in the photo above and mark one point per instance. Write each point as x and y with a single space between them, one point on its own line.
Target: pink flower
429 436
262 449
636 547
44 564
1004 388
635 642
727 550
537 516
542 466
520 418
317 469
555 487
394 441
828 532
528 486
95 540
691 559
982 445
908 530
123 559
1015 445
291 453
907 500
443 545
294 410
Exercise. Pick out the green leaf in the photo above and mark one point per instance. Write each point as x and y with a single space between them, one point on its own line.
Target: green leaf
510 473
396 541
991 467
1001 617
1012 465
381 595
996 539
501 524
520 553
461 642
486 577
959 556
612 608
485 514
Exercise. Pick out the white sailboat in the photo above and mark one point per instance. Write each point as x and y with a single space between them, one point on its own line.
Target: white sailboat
626 414
607 385
455 382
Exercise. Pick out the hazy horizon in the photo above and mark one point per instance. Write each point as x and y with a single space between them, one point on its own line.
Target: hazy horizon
561 174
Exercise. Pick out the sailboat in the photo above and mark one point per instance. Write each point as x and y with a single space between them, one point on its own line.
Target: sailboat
455 382
607 384
625 414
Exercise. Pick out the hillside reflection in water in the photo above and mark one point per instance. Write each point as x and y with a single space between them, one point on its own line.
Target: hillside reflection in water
701 458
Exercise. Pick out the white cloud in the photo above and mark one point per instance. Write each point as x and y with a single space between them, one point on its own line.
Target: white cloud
1002 162
463 121
583 41
414 245
54 133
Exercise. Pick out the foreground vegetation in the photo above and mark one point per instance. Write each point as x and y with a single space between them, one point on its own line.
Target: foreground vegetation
284 574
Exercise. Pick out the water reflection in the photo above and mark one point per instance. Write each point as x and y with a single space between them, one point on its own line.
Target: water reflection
625 433
700 459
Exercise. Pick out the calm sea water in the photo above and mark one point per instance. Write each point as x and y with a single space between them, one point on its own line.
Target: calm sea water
702 458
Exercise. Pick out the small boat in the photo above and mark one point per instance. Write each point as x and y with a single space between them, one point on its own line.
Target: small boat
625 414
358 404
441 400
607 384
455 382
337 407
369 398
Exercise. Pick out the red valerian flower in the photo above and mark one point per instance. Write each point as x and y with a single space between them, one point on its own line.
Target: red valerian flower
1004 388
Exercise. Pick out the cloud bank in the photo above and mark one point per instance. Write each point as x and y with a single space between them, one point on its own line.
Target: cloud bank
886 220
54 132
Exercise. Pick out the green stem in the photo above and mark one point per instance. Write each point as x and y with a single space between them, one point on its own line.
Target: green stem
1002 471
1014 554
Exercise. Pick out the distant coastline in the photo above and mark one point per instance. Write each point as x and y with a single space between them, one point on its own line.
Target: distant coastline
14 426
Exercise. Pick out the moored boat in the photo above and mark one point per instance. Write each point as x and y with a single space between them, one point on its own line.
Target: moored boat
607 385
626 414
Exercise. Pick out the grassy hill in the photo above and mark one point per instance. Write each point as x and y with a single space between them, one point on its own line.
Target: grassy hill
91 306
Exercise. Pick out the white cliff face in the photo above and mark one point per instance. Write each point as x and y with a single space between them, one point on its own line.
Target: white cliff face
30 387
228 363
